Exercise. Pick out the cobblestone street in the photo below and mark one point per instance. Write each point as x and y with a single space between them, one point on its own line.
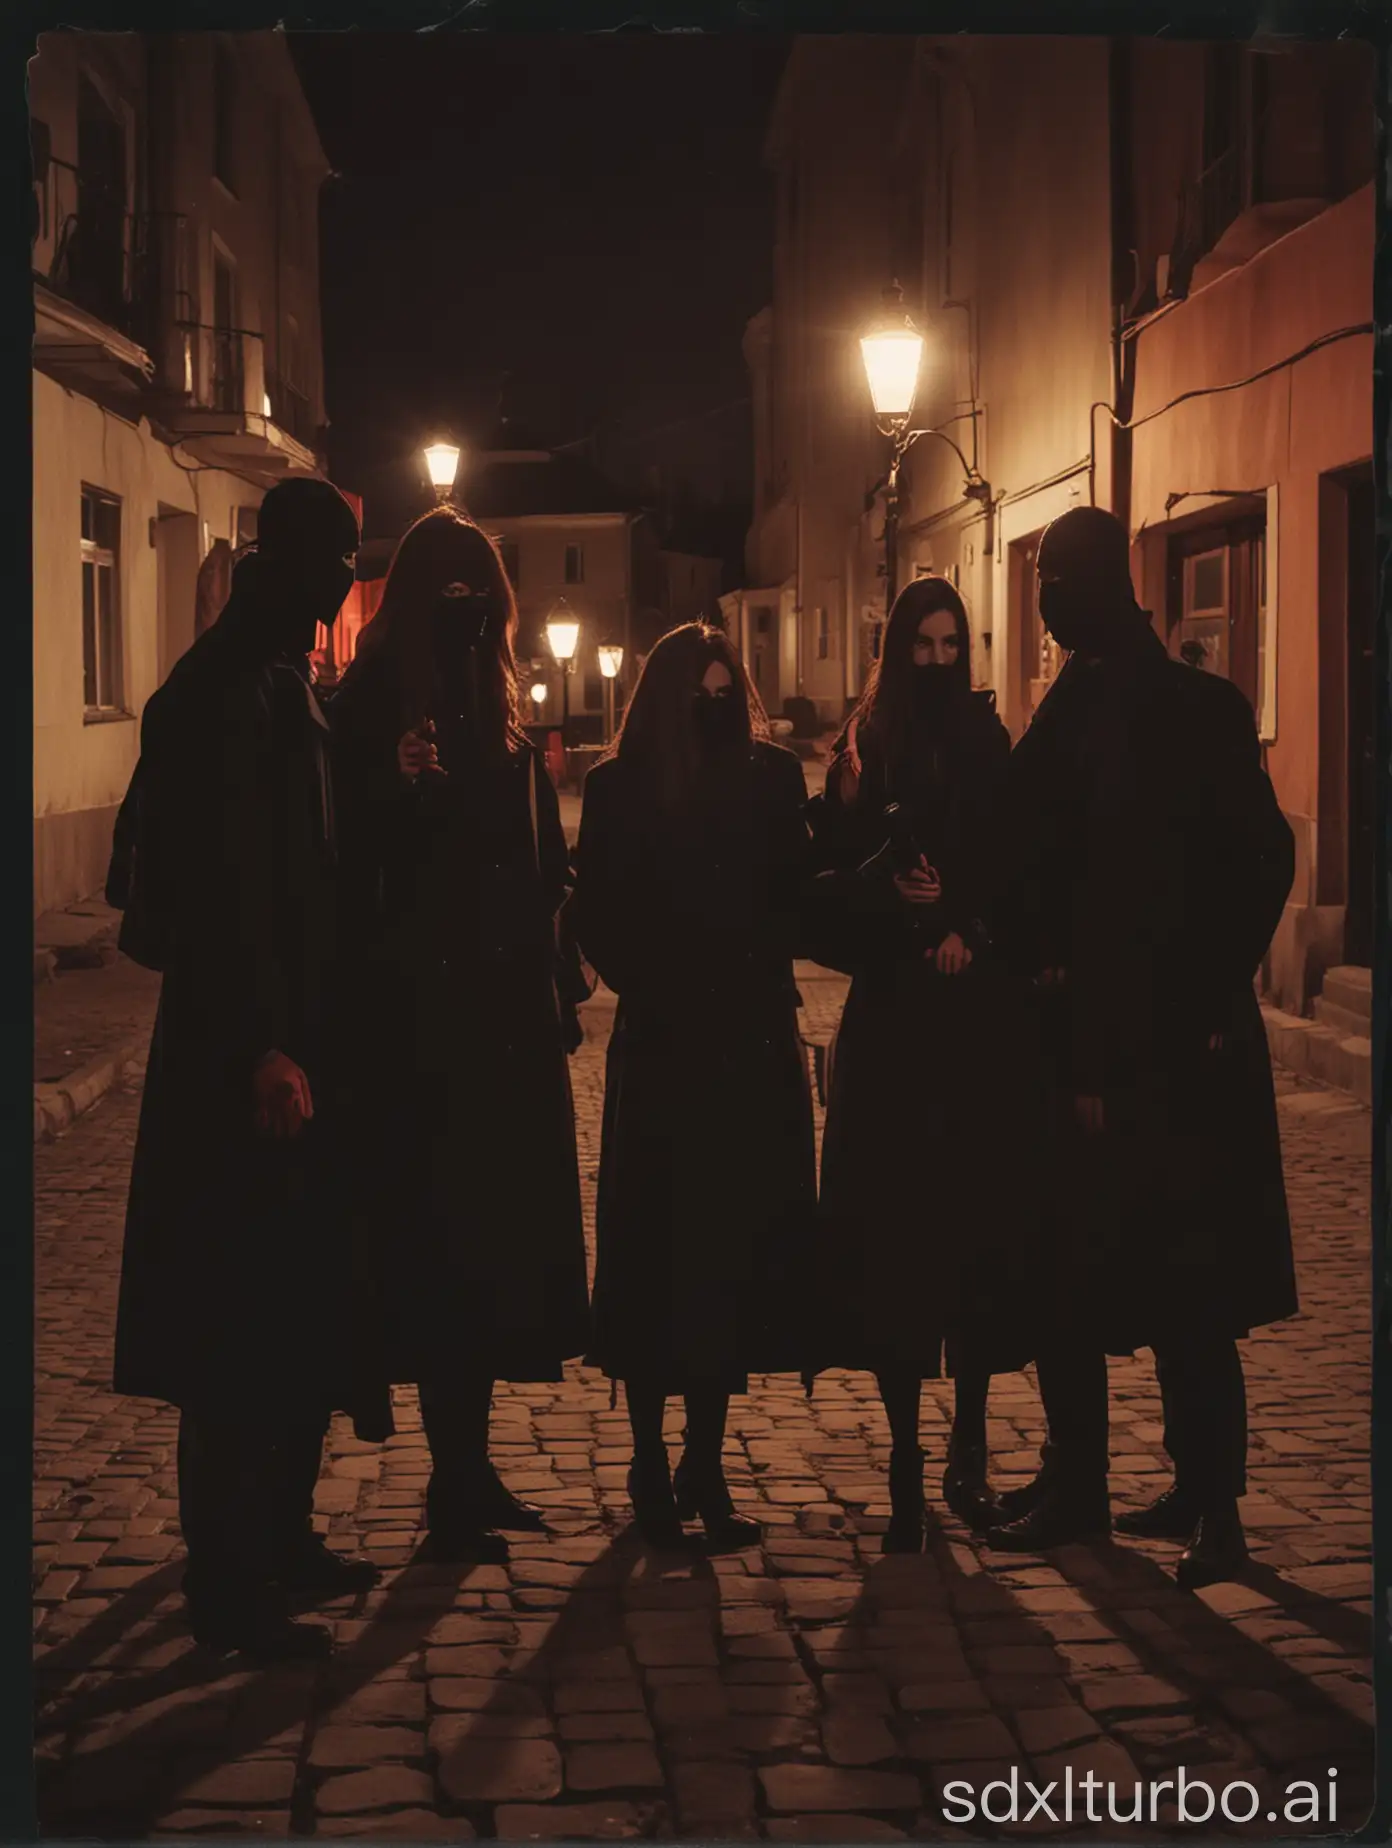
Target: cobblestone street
809 1691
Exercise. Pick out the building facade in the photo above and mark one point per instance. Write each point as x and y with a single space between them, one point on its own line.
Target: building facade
1143 272
177 375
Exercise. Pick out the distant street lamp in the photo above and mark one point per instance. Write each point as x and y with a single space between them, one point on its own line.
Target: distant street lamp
892 352
610 661
563 636
539 695
442 466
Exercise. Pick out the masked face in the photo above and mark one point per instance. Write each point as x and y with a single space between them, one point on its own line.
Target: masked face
719 721
459 623
305 590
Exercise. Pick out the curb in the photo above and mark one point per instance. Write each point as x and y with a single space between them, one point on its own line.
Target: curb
58 1106
1314 1050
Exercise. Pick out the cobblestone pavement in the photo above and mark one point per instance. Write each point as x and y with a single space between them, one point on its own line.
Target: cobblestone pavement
812 1690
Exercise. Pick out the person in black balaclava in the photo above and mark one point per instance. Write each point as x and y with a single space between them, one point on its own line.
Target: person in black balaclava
922 1232
1150 866
692 850
454 866
236 1299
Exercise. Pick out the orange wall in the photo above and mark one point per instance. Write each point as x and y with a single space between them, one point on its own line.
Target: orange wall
1287 429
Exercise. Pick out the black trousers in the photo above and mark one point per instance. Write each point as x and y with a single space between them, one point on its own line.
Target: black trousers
1073 1389
246 1504
1204 1397
454 1414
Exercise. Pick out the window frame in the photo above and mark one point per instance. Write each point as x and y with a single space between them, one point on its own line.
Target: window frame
574 551
104 649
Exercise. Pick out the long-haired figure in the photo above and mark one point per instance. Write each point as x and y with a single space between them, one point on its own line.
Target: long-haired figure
454 868
915 1201
693 844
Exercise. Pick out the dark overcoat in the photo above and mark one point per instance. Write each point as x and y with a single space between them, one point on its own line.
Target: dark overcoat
1152 865
707 1178
463 1129
926 1218
237 1277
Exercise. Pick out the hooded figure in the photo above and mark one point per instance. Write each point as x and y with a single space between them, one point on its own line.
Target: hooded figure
236 1288
1150 867
924 1231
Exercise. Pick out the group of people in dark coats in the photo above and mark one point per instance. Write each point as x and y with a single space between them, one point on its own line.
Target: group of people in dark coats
1050 1131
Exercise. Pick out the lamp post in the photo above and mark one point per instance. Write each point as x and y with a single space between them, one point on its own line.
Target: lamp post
610 661
442 466
563 636
892 352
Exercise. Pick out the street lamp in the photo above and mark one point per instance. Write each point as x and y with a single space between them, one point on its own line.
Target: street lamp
892 352
539 695
610 661
442 466
563 636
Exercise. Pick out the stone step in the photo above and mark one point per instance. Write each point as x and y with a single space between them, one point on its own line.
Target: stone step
1342 1020
1351 986
1317 1051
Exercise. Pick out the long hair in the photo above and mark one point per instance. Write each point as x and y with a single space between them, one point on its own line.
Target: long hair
886 708
658 736
442 547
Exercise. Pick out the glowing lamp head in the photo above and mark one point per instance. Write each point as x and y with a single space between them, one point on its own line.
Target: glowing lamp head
266 404
442 464
892 350
610 661
538 693
563 632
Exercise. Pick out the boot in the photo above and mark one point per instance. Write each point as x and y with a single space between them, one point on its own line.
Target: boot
256 1623
1070 1509
312 1568
967 1491
1015 1502
1217 1551
905 1531
654 1505
1171 1516
703 1494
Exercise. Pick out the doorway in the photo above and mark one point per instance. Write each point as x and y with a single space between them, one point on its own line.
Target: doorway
1216 601
1362 719
176 577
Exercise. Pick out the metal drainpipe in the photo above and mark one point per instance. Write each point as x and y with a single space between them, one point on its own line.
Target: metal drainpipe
1119 125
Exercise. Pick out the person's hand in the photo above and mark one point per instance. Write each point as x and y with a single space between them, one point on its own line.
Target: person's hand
920 887
1088 1111
416 752
952 955
280 1095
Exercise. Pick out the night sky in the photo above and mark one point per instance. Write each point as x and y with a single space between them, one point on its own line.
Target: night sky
567 232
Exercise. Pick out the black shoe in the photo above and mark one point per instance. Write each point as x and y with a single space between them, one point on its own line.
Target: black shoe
1025 1499
451 1543
314 1569
967 1491
655 1506
1061 1518
905 1531
702 1494
263 1637
1170 1516
1217 1551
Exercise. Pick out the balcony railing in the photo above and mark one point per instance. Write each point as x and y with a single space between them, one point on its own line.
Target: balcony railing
292 410
93 251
